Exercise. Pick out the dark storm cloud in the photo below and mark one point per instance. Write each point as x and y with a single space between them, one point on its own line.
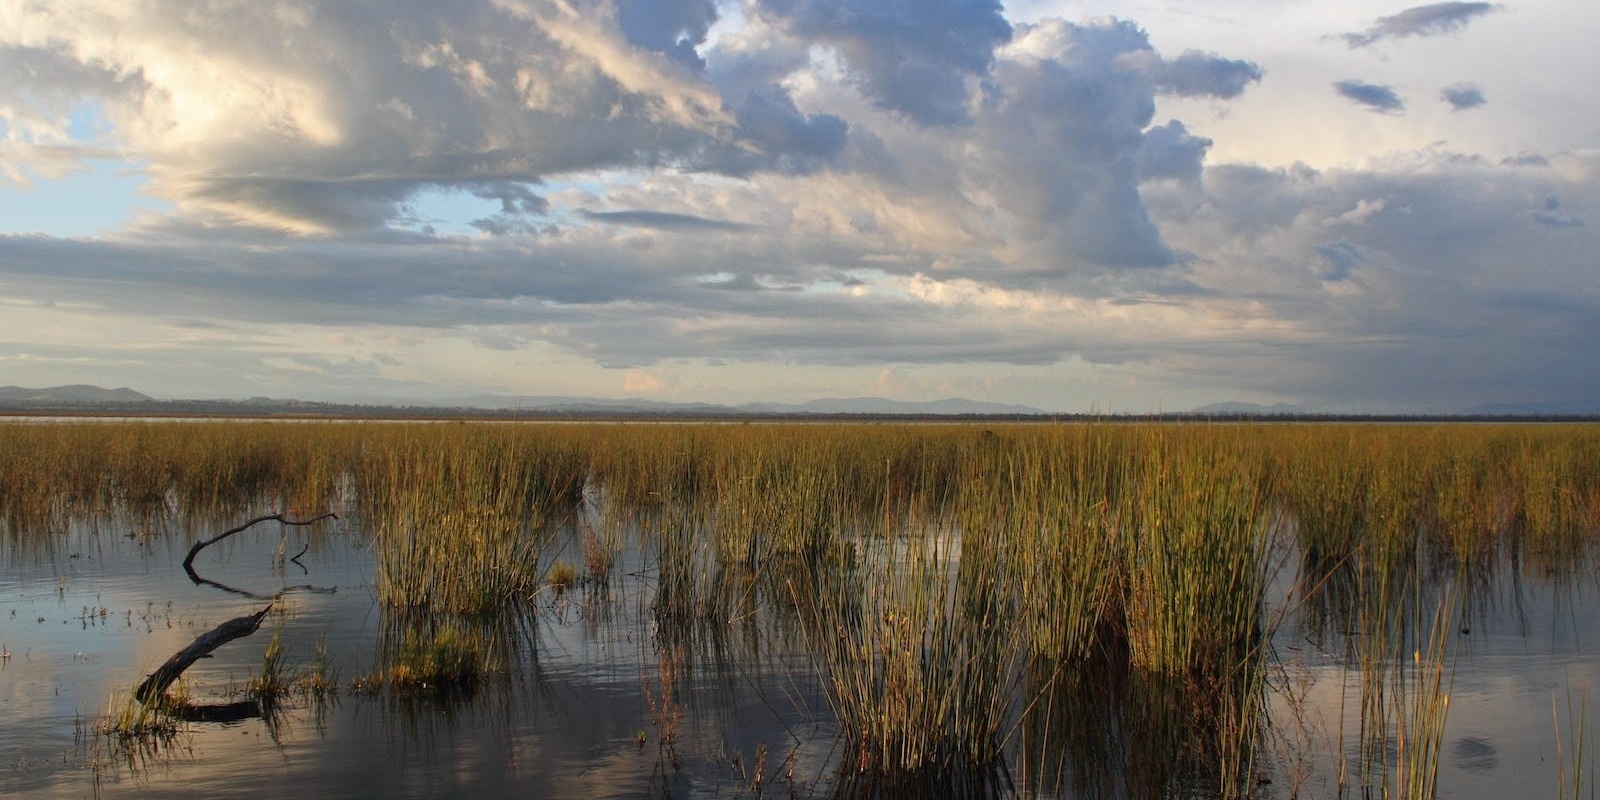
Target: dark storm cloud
1450 266
1374 97
1462 96
1428 20
911 56
1197 74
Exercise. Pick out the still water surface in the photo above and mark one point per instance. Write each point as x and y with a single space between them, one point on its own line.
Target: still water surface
592 702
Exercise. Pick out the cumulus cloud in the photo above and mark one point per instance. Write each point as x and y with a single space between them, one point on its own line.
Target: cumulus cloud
832 182
332 115
1170 151
1375 97
915 57
1427 20
1462 96
1062 143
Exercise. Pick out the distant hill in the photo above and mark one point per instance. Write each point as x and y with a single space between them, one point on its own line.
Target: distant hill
843 405
77 394
1253 409
1560 408
93 398
878 405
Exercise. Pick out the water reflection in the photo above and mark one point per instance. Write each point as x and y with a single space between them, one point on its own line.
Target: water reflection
683 672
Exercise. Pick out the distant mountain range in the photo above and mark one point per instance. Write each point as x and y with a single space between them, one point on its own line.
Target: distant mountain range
77 394
1572 408
84 399
92 398
1254 409
840 405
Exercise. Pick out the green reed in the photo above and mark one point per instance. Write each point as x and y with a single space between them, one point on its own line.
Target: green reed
1197 536
956 584
443 655
460 523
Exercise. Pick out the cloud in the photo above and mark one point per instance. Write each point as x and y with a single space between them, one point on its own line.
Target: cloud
825 184
1197 74
1550 215
638 381
1451 265
663 221
1339 259
1363 211
1462 96
333 115
1170 151
1428 20
1374 97
773 134
1061 143
914 58
674 28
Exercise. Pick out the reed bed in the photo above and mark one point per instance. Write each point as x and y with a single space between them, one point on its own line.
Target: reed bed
460 524
958 586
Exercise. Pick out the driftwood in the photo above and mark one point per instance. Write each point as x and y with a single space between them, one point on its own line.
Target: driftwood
194 577
237 628
188 561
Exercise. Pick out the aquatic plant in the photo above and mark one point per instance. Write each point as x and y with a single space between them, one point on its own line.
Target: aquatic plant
277 676
965 591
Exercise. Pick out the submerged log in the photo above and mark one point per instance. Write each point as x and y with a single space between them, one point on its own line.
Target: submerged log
155 686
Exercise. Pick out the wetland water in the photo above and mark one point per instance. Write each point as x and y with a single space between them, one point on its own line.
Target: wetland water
613 689
586 704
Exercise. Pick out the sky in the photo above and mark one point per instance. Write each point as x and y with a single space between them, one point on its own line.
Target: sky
1077 206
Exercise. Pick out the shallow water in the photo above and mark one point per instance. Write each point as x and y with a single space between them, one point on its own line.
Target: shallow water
581 709
592 702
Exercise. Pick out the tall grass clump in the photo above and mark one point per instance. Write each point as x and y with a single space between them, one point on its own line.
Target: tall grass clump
441 655
1423 703
278 675
917 663
1324 483
1053 506
1196 540
460 525
1557 477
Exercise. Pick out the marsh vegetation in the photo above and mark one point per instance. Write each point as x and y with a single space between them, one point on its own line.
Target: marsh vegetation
1088 610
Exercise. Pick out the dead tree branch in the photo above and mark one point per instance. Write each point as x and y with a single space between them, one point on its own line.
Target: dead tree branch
237 628
188 561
